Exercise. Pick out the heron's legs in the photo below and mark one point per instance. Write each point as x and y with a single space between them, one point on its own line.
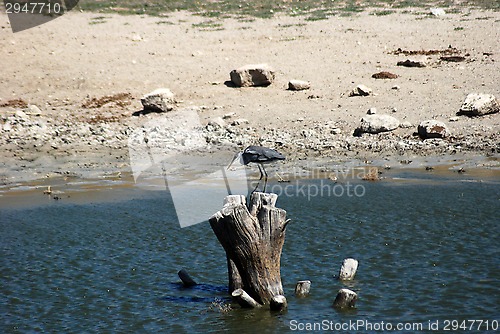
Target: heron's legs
265 180
261 175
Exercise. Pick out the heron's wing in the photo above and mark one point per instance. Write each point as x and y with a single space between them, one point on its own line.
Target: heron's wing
271 155
263 154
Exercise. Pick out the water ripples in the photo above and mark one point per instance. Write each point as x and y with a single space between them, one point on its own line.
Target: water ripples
425 251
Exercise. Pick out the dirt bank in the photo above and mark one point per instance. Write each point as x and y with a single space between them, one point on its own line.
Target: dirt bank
85 73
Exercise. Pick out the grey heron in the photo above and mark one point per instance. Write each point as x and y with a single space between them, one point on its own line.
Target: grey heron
259 155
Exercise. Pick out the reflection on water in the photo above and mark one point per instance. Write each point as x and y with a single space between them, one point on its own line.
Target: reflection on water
427 251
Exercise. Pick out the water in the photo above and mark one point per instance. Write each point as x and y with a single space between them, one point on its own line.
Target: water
428 251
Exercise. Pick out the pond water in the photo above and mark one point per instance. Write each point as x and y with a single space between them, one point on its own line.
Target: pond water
427 245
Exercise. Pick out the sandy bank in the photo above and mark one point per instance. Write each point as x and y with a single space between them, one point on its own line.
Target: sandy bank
67 66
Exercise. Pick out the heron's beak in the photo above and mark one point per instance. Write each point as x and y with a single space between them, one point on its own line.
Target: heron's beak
236 156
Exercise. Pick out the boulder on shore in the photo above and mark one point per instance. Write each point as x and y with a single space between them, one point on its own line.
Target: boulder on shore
384 75
377 123
412 63
479 104
252 75
160 100
432 129
361 90
298 85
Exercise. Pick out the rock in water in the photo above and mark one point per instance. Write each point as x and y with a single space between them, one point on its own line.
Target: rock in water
252 75
432 129
377 123
479 105
160 100
298 85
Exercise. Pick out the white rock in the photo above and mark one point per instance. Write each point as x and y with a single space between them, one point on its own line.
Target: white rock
33 110
432 129
406 125
438 12
217 122
298 85
160 100
454 119
240 121
228 115
372 111
7 126
252 75
21 114
480 104
377 124
361 90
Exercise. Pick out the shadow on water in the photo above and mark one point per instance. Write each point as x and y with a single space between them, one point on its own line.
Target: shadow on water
200 293
177 286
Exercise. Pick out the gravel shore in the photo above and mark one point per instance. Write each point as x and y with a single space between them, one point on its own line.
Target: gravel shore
70 90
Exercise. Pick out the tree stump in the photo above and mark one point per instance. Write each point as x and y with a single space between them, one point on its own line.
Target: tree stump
348 269
244 299
345 299
186 279
253 238
278 303
302 288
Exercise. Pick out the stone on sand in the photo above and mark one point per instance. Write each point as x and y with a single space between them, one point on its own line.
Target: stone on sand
412 63
432 129
298 85
384 75
361 90
216 123
479 104
377 123
437 12
252 75
160 100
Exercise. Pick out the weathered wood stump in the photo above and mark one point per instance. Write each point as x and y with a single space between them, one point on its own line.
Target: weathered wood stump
253 238
186 279
244 299
345 299
302 288
278 303
348 269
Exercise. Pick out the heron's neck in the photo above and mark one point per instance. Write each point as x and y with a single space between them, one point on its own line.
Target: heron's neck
241 160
